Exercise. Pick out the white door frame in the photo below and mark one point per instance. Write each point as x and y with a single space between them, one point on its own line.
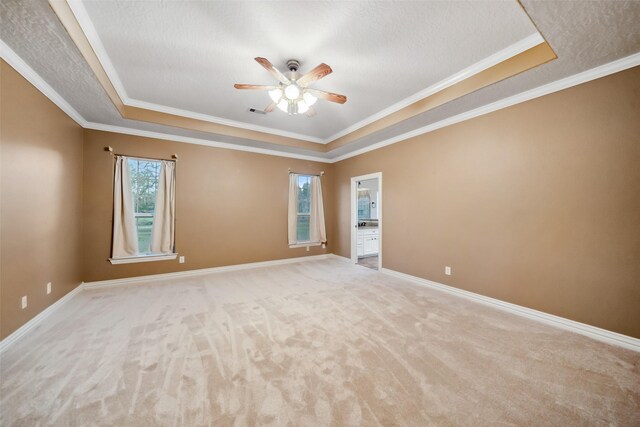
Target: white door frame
354 216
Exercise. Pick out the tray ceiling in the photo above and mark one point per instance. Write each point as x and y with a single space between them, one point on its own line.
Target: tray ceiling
184 57
591 40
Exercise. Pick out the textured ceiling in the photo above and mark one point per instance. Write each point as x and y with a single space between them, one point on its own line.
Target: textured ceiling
581 35
188 55
584 35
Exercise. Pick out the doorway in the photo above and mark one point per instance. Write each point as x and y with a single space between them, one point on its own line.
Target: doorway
366 220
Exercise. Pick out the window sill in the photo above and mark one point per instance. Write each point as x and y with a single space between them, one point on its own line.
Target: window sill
142 258
305 244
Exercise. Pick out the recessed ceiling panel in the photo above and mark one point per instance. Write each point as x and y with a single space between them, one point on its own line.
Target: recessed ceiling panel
187 55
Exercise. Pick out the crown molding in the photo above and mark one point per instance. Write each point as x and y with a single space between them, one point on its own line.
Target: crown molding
79 11
498 57
558 85
199 141
86 25
601 71
219 120
524 61
63 10
509 52
34 78
18 64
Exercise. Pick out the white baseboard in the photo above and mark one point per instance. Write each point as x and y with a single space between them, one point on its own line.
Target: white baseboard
549 319
557 321
199 272
36 320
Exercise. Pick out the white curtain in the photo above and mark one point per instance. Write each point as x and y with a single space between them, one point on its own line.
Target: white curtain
317 232
125 236
293 208
163 230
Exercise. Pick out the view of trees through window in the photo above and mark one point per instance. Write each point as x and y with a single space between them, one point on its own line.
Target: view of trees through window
144 186
304 208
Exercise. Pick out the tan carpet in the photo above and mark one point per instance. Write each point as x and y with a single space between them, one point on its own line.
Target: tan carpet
314 343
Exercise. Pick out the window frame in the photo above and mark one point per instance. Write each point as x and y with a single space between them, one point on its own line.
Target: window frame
303 243
146 256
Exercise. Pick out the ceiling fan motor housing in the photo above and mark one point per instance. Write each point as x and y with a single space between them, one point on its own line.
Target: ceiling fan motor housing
293 64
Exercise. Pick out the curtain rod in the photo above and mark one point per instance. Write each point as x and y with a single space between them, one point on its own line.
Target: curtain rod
308 174
173 159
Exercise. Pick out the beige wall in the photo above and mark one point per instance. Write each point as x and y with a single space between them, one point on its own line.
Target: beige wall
41 201
231 206
537 204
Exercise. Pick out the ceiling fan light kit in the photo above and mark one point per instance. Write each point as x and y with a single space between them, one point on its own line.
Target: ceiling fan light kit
292 99
292 95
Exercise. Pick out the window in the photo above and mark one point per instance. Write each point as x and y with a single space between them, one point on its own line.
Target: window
144 188
143 210
304 208
305 211
364 204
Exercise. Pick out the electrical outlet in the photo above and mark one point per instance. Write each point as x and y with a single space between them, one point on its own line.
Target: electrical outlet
447 271
324 246
307 248
24 302
48 288
181 260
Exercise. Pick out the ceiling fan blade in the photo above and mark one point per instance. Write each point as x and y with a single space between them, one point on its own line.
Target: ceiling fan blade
317 73
310 112
255 87
273 70
270 108
329 96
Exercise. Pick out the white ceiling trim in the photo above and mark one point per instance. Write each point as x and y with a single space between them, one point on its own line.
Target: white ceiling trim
34 78
78 10
576 79
199 141
498 57
219 120
601 71
39 83
88 28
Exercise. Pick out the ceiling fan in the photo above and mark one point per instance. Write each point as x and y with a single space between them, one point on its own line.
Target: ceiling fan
292 95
